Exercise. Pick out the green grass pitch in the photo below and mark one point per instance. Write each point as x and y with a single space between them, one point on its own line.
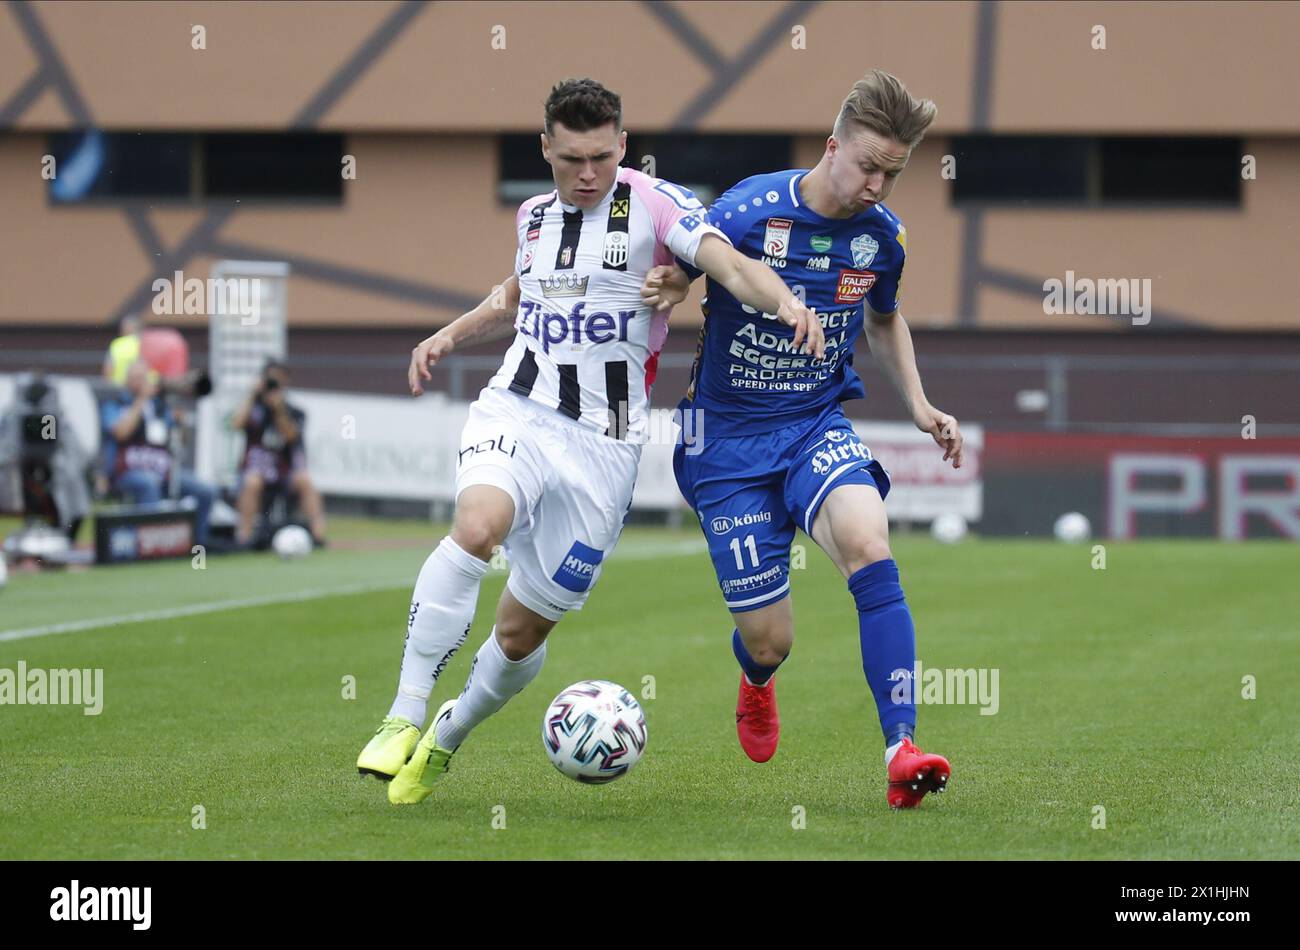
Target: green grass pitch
1119 688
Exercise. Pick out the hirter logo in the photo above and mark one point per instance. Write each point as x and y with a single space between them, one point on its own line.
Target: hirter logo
776 239
853 285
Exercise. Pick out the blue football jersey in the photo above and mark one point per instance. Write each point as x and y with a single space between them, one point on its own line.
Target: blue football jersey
747 377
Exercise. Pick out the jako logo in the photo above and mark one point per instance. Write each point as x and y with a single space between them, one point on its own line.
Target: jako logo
722 524
103 903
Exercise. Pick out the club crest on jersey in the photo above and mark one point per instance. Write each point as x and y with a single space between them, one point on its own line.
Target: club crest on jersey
564 285
776 239
864 248
853 285
616 244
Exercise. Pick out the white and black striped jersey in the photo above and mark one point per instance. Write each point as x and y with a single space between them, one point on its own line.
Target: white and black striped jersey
586 345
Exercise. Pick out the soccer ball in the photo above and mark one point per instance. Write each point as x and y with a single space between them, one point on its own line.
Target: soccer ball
291 542
948 528
1072 527
594 731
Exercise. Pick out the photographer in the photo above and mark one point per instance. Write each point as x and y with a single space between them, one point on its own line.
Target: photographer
42 462
138 429
274 454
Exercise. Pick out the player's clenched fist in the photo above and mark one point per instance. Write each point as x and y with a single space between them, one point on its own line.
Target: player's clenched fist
666 285
428 353
807 328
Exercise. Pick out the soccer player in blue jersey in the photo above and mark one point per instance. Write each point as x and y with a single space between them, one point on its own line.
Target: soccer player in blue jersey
780 452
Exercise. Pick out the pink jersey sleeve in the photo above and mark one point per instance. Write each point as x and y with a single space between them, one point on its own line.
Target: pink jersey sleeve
677 214
524 242
526 208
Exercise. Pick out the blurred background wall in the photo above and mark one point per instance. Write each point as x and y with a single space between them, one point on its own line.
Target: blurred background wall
1148 141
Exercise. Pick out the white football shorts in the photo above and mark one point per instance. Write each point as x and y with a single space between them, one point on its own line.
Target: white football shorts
572 489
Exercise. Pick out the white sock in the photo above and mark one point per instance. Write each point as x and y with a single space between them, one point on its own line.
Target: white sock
493 679
442 610
892 751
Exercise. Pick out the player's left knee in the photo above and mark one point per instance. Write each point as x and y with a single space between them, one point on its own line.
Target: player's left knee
519 638
868 552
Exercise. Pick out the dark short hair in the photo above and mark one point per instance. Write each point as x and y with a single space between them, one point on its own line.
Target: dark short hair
582 105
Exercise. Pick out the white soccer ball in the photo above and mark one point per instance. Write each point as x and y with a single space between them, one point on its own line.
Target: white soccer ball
1072 527
594 731
948 528
291 542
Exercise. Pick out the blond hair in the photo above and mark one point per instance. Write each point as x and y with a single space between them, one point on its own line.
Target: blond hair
881 103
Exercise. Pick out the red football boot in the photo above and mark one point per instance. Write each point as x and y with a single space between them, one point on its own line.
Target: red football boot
757 722
912 773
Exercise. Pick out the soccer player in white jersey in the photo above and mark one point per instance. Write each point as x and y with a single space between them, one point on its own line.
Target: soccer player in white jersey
549 454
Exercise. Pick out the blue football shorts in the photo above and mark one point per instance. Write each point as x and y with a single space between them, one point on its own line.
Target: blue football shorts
750 492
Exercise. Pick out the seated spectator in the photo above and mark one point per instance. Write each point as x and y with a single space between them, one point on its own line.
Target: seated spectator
274 453
137 432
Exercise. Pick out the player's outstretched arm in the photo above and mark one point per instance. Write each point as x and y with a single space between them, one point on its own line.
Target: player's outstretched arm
891 346
755 284
492 319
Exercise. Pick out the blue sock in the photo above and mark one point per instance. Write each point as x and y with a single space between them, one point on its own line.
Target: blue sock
888 643
758 675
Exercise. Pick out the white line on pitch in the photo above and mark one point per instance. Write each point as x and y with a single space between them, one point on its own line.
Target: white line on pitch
646 553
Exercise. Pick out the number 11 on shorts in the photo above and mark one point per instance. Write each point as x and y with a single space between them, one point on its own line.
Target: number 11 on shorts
753 551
